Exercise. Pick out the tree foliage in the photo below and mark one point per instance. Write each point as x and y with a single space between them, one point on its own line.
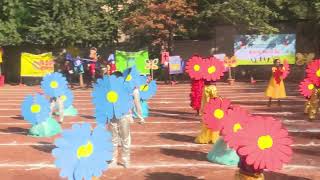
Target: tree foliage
69 22
157 21
251 14
11 13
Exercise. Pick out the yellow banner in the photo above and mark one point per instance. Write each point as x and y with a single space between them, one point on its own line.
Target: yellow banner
36 65
1 52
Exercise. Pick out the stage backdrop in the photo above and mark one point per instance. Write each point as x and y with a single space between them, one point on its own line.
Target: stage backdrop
125 60
36 65
263 49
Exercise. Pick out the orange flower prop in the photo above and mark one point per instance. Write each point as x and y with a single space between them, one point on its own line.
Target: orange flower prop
213 69
235 121
264 144
306 87
215 113
313 72
194 67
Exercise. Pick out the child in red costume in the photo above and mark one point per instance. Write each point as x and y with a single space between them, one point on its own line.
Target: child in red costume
92 66
196 94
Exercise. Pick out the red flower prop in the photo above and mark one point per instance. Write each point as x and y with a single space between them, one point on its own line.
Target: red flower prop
215 112
213 69
277 75
235 121
194 67
313 72
306 87
264 144
196 93
286 68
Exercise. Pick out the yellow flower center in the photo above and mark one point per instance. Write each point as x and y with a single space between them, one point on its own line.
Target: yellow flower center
318 73
236 127
265 142
63 98
196 68
112 96
211 69
35 108
144 88
310 86
54 84
85 150
218 113
129 77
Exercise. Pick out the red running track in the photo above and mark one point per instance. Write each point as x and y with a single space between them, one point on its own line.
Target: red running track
163 148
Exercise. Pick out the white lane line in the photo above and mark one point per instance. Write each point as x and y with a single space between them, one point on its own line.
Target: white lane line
169 107
47 165
14 143
150 122
181 132
310 144
273 113
74 122
170 101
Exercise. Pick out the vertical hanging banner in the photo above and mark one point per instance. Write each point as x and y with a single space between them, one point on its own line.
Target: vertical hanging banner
125 60
175 65
36 65
1 52
263 49
165 58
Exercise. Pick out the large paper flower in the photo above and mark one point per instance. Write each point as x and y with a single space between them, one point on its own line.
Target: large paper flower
313 72
35 109
236 119
264 144
54 84
215 112
131 78
213 69
82 154
111 99
67 98
194 67
306 87
148 90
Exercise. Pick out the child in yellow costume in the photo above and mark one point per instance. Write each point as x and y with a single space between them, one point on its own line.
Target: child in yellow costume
276 89
206 135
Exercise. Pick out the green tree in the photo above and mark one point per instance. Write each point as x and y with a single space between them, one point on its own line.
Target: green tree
11 15
71 22
252 15
156 22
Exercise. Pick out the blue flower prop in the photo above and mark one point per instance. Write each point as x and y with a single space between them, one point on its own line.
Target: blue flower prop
148 90
131 78
54 84
111 99
67 98
82 154
35 109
